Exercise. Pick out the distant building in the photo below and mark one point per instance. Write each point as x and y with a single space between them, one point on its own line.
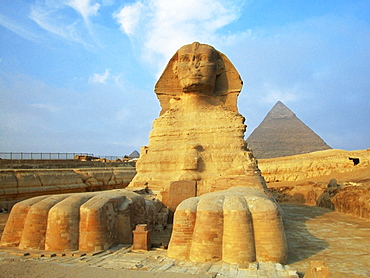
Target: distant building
281 133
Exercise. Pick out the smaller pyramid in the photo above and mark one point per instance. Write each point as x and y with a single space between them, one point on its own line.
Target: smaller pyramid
134 154
281 133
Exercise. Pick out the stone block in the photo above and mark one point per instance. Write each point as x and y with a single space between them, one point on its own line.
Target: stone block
141 240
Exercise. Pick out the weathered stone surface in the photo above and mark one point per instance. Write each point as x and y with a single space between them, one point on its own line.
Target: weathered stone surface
305 192
353 200
317 269
18 185
305 178
141 240
238 225
80 221
311 165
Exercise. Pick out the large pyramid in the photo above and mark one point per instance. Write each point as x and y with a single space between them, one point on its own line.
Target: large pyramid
281 133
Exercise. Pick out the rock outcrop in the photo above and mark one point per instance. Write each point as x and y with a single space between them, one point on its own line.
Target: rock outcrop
311 165
335 179
281 133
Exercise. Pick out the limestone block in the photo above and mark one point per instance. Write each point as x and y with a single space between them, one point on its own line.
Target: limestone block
93 182
238 225
179 191
58 177
8 179
123 176
27 178
101 175
141 238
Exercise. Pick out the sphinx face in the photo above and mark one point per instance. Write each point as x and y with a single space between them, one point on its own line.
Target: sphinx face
197 67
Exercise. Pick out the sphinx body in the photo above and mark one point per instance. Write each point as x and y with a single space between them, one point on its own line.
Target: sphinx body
197 154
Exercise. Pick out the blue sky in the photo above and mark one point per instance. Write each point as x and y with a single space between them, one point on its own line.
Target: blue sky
78 75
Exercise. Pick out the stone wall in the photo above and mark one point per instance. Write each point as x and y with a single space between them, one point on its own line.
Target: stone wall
311 165
17 185
310 178
58 164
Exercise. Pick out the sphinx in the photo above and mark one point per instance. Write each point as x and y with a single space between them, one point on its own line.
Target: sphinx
199 165
196 164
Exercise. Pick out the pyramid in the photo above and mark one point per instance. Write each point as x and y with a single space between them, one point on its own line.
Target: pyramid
134 154
281 133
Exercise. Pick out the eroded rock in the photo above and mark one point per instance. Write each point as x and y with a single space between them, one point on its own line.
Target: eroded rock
80 221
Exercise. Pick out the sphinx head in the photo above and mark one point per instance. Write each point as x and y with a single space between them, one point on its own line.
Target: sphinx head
197 67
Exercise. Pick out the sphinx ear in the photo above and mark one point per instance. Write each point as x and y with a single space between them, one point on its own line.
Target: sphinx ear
220 66
175 68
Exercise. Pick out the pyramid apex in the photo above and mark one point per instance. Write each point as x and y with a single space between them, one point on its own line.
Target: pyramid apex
280 111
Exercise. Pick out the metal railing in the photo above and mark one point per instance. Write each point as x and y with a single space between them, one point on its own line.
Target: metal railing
50 156
24 155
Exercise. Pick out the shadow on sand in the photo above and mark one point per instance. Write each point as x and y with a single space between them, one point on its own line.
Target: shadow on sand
301 243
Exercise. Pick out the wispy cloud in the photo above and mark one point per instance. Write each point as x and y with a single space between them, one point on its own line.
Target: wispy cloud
100 78
46 107
162 26
51 16
20 30
84 7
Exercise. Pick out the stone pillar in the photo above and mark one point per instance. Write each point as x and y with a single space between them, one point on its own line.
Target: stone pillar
141 238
